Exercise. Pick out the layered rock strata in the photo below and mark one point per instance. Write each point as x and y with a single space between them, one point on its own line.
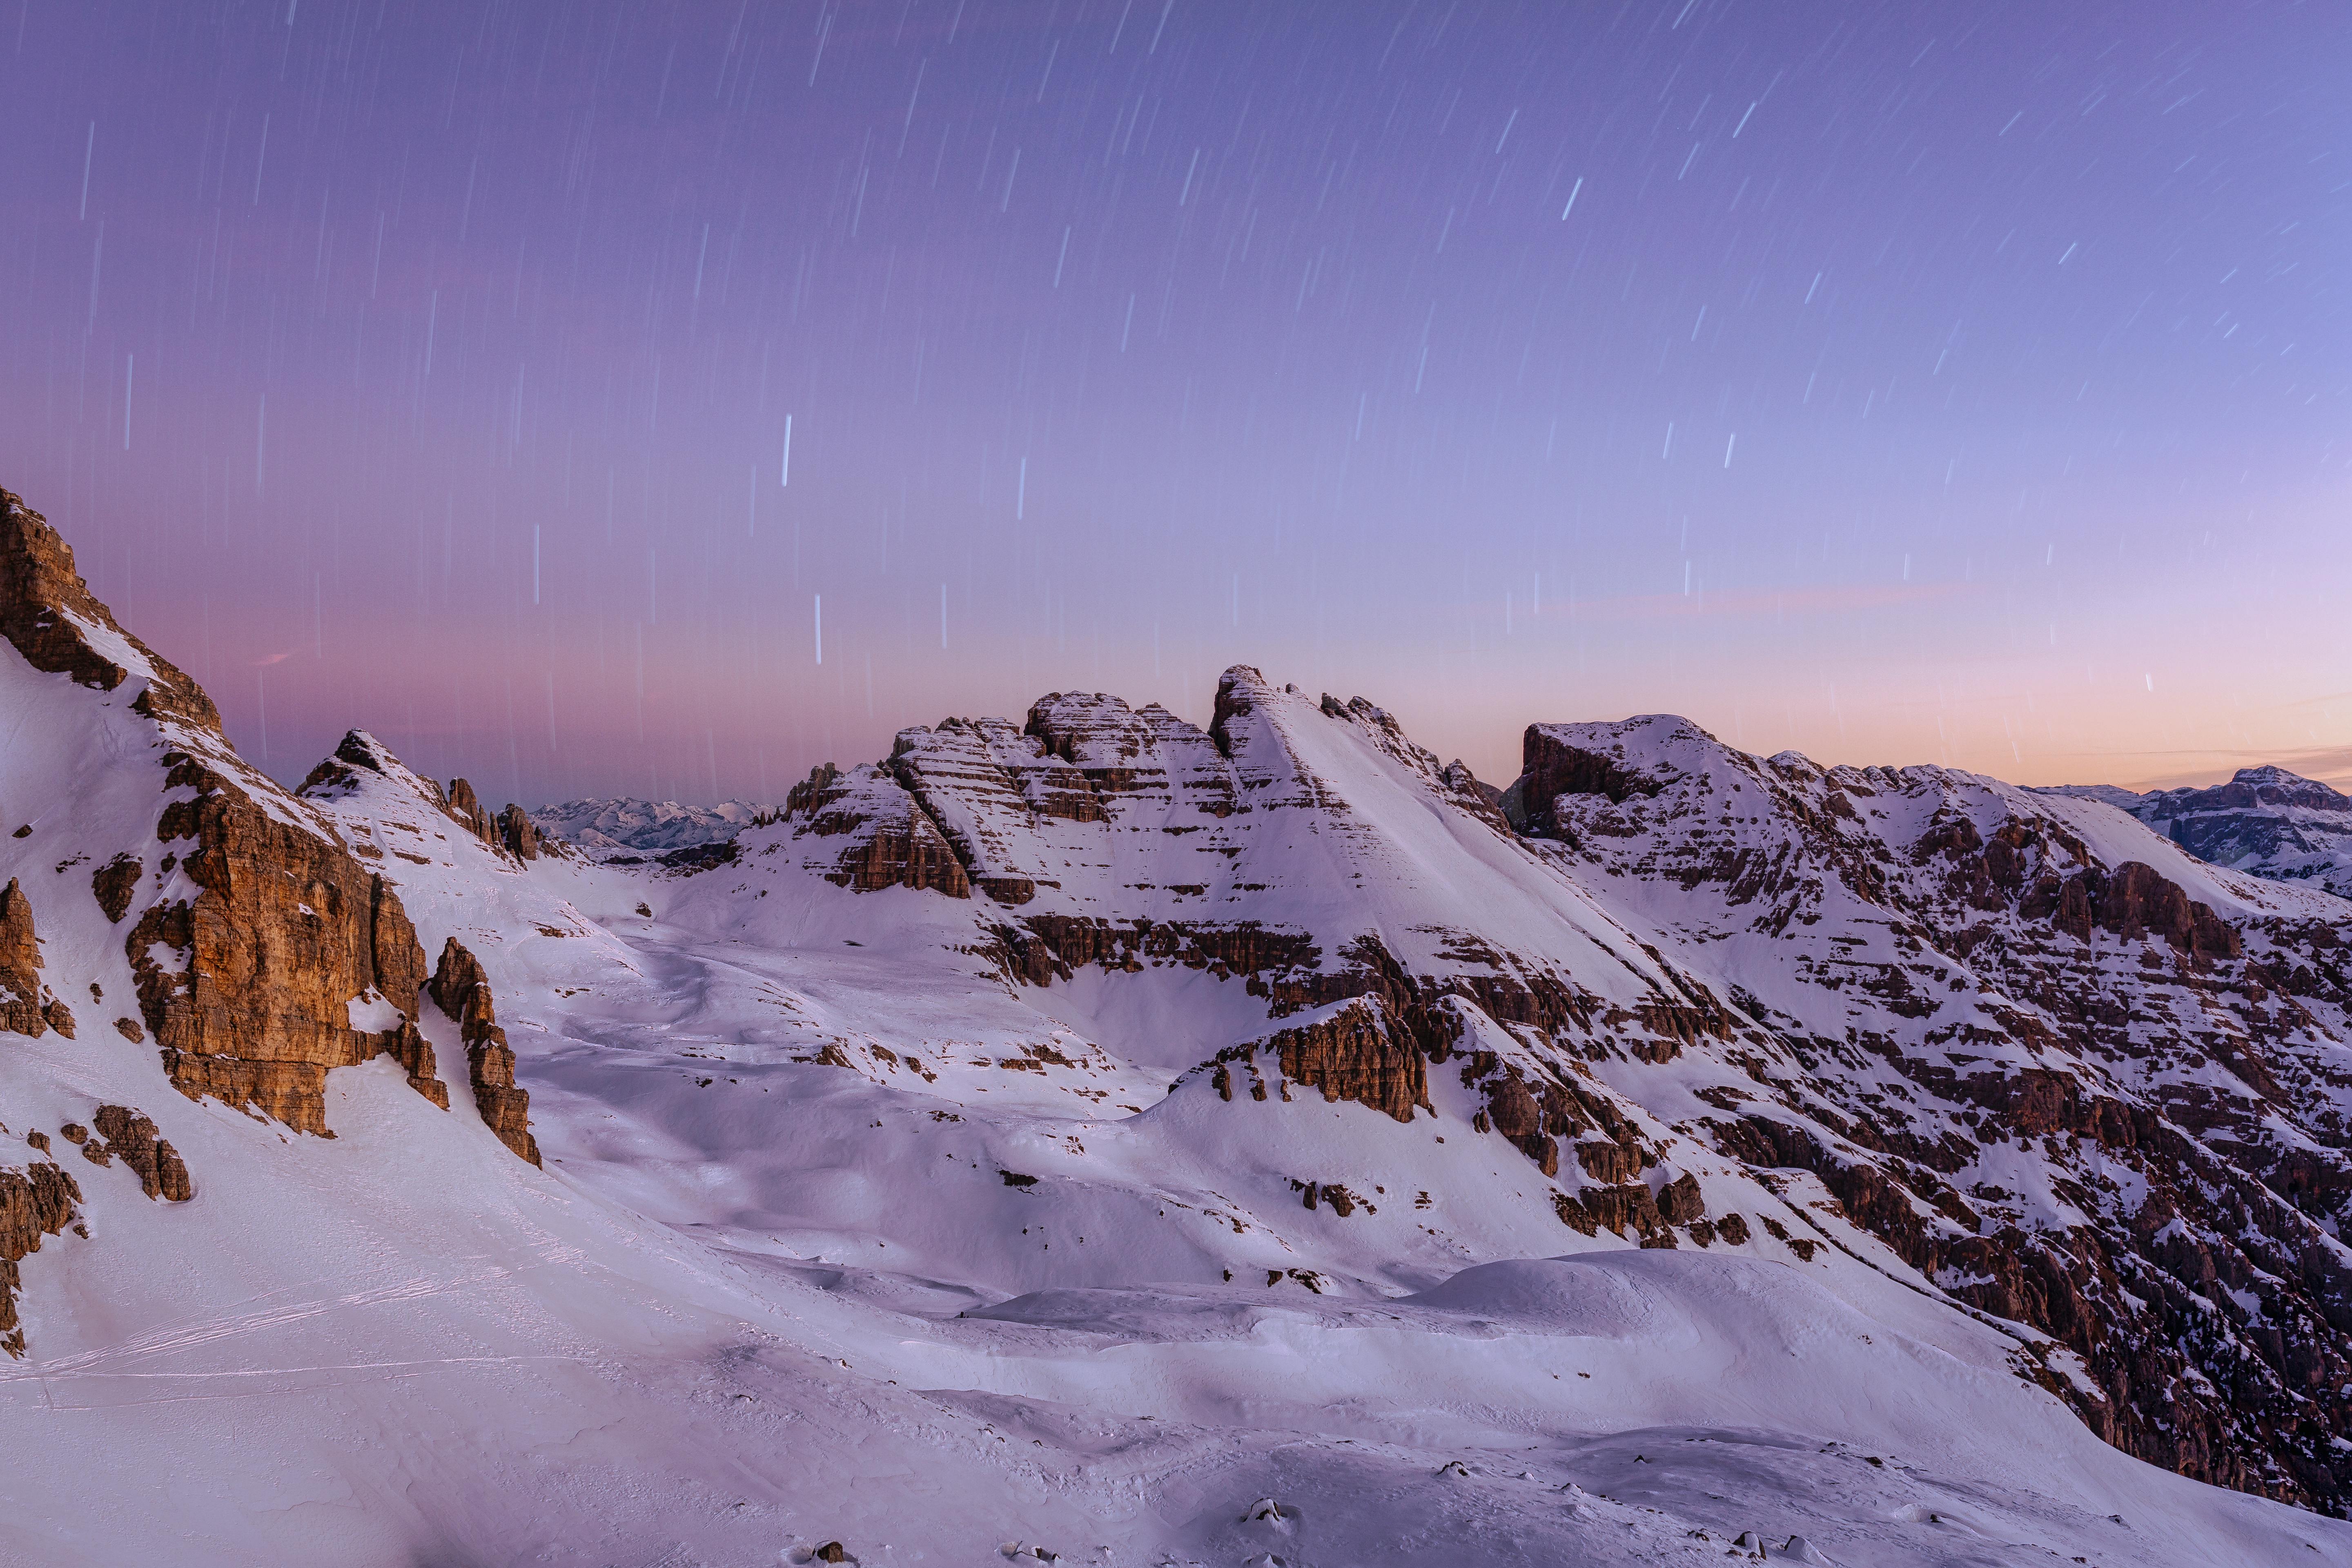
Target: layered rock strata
247 984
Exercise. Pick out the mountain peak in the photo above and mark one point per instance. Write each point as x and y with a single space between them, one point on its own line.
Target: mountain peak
59 626
2275 785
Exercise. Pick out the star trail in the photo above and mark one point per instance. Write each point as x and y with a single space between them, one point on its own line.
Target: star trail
662 398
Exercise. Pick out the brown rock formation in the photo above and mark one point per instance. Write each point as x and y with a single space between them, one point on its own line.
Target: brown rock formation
413 1051
1553 768
1357 1053
359 752
20 964
893 842
467 807
1608 1163
35 1202
248 999
1680 1202
518 833
2132 901
42 597
115 884
131 1137
286 931
461 990
1619 1209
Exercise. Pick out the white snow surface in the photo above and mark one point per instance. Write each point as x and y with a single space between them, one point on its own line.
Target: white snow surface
758 1301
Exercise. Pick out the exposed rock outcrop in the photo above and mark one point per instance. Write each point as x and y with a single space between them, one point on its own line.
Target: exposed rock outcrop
357 753
286 930
517 834
890 840
460 989
1355 1053
1552 767
54 620
35 1202
20 964
247 986
468 808
132 1138
115 884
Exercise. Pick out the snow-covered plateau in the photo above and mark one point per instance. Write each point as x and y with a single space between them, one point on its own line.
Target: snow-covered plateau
1098 1140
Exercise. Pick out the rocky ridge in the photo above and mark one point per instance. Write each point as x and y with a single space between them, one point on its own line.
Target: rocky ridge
2065 1075
2057 1081
2267 822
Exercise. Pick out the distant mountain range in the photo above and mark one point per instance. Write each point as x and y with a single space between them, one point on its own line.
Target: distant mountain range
650 826
2267 822
1090 1136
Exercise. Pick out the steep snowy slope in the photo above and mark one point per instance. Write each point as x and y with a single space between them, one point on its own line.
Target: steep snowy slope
1110 1140
2265 821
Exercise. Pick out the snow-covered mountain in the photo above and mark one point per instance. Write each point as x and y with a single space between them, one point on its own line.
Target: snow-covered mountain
2265 821
1099 1138
650 826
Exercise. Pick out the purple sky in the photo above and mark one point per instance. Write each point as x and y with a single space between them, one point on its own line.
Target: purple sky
1900 383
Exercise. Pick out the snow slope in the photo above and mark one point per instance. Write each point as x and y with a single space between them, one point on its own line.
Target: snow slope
1303 1170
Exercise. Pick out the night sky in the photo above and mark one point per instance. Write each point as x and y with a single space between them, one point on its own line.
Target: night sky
1959 382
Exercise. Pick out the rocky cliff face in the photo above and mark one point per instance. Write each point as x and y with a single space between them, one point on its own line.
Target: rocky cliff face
517 833
248 984
48 613
20 964
466 806
126 1135
860 830
35 1202
254 935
